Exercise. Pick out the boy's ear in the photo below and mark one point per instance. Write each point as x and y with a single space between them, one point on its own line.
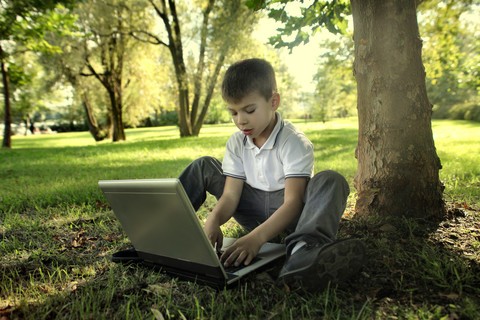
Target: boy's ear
275 100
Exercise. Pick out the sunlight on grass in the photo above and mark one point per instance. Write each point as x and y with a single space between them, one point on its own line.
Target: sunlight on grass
82 139
68 162
58 233
458 146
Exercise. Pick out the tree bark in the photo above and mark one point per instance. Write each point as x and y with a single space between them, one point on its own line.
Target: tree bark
117 113
209 93
176 49
93 126
197 85
112 54
7 133
398 167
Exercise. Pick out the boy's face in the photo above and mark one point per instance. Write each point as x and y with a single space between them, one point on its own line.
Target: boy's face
255 116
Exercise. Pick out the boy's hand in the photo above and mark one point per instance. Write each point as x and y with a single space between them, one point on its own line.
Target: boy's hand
214 233
242 250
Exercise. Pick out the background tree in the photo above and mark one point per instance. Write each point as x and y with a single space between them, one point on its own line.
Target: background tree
22 27
28 95
335 93
66 68
220 27
105 50
287 86
450 32
112 73
398 168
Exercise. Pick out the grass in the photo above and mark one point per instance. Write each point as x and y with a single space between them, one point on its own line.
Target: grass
58 233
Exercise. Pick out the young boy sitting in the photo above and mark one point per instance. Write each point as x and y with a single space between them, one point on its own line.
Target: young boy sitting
266 183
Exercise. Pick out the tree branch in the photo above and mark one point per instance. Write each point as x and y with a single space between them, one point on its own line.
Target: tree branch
201 61
155 39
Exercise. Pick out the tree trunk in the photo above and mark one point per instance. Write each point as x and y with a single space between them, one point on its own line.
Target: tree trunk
7 134
197 83
183 97
398 168
117 117
93 126
210 89
176 50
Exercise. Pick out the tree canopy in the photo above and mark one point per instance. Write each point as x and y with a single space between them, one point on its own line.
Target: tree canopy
70 47
23 25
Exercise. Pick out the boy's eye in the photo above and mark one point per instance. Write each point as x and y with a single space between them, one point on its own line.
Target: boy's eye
249 111
233 113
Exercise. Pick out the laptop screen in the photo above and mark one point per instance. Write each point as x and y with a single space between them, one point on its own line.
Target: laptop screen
159 219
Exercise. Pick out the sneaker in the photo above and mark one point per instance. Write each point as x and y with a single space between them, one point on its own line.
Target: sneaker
314 267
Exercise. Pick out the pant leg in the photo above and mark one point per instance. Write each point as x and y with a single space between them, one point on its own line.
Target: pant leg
206 175
325 202
256 206
203 175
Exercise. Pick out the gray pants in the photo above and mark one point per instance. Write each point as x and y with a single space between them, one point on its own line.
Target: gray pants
324 202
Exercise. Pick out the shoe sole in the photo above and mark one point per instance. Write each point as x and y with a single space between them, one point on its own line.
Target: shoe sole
335 263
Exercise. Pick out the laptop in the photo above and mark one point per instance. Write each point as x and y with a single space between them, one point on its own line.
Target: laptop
158 218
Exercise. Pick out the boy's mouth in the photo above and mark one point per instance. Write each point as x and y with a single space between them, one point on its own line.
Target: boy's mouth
247 132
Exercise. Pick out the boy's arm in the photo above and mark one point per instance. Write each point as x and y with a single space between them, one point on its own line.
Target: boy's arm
247 247
223 210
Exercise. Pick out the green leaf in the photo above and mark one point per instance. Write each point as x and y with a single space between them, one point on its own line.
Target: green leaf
255 4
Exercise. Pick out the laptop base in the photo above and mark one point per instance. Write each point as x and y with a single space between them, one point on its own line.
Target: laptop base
130 256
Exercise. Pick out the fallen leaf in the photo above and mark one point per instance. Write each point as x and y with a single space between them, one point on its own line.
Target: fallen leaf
451 295
157 314
158 290
387 228
6 310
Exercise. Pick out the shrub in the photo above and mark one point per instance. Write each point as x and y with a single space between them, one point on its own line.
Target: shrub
467 111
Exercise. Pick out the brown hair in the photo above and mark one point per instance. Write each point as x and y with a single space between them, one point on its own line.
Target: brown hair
247 76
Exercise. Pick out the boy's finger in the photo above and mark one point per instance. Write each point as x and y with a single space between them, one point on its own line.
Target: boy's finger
224 256
228 257
240 258
219 243
212 239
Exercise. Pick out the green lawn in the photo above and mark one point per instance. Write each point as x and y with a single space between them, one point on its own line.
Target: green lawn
58 232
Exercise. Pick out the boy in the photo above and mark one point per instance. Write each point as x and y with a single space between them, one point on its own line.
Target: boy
266 183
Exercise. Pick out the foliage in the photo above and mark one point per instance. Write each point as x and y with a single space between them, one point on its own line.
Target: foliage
450 53
161 118
448 28
23 25
27 20
336 92
219 28
298 28
57 234
465 111
94 51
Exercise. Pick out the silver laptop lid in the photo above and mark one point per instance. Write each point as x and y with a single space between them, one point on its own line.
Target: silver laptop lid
159 219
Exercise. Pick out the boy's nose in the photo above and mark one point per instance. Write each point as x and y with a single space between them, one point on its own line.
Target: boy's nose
241 119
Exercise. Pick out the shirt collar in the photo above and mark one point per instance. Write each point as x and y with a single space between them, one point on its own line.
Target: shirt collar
272 139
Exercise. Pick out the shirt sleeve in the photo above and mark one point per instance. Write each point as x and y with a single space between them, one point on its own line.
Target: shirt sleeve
297 156
232 163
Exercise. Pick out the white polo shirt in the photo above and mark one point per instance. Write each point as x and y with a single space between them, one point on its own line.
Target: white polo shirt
286 153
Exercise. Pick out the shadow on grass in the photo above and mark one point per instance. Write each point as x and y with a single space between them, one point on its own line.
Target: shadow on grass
414 270
75 280
420 269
